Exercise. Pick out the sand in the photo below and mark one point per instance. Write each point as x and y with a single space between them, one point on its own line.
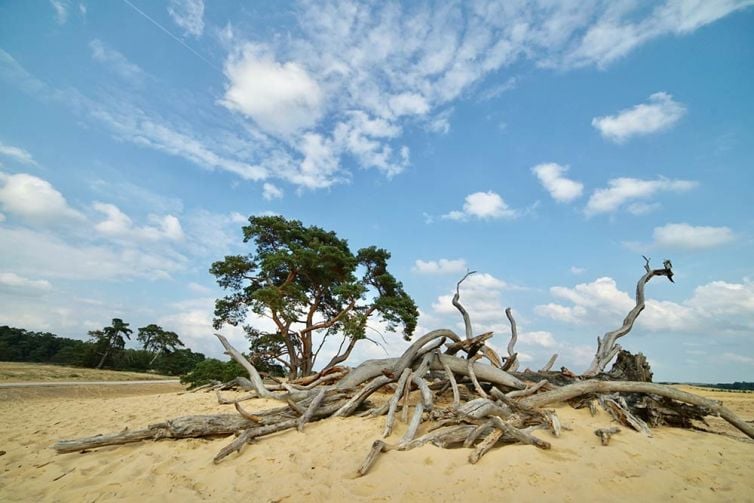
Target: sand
320 464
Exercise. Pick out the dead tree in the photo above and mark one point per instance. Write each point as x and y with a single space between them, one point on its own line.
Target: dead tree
490 407
607 346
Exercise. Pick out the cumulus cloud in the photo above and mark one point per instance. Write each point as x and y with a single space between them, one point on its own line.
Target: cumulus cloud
441 266
624 190
116 61
189 15
271 191
718 307
484 206
660 113
17 154
14 284
562 189
281 98
689 237
34 199
119 225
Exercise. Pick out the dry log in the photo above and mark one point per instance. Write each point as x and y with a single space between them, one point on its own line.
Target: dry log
256 379
528 391
461 309
585 387
453 384
485 445
378 447
617 408
311 410
549 363
606 433
519 435
393 404
470 369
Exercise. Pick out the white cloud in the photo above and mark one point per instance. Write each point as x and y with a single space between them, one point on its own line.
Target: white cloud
716 308
736 358
618 30
119 225
2 217
660 113
270 191
481 295
561 189
116 61
537 338
281 98
17 154
441 266
689 237
34 199
29 252
61 10
577 270
189 15
484 206
622 190
14 284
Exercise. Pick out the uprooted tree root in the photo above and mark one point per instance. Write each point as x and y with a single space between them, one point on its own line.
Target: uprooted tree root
491 404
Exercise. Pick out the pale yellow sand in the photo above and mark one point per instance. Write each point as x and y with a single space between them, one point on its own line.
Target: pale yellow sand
320 464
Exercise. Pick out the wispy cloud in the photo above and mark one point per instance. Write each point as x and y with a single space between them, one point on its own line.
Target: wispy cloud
189 15
116 61
17 154
441 266
623 190
660 113
61 10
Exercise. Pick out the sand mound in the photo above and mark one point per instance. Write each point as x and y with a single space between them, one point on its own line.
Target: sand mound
320 464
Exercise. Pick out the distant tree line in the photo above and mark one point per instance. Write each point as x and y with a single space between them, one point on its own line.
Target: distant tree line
162 352
749 386
160 349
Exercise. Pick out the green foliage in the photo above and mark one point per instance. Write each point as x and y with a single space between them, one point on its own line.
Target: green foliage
299 274
110 340
19 345
210 370
156 339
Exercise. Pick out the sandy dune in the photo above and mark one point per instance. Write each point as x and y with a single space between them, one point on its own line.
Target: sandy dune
320 464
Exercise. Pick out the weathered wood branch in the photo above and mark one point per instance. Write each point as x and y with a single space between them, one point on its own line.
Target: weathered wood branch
256 379
607 346
461 309
586 387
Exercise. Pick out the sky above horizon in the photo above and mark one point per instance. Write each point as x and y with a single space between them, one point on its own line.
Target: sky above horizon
546 145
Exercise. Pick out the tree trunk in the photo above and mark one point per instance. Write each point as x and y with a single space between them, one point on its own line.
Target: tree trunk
104 357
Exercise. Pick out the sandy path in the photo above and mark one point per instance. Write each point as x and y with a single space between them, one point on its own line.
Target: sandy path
319 465
37 384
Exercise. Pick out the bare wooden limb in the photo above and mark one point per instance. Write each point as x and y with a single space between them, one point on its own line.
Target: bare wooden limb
593 386
485 445
359 398
521 436
393 404
483 372
453 384
514 333
470 369
618 409
480 429
549 363
461 309
606 433
311 410
378 447
245 414
470 346
607 347
528 391
256 379
296 408
413 426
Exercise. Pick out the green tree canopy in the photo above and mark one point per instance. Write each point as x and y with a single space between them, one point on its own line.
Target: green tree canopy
157 340
307 281
110 339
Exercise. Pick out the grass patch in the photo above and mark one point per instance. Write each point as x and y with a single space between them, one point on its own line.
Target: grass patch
22 372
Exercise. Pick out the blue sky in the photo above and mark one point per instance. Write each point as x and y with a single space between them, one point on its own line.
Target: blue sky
546 145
